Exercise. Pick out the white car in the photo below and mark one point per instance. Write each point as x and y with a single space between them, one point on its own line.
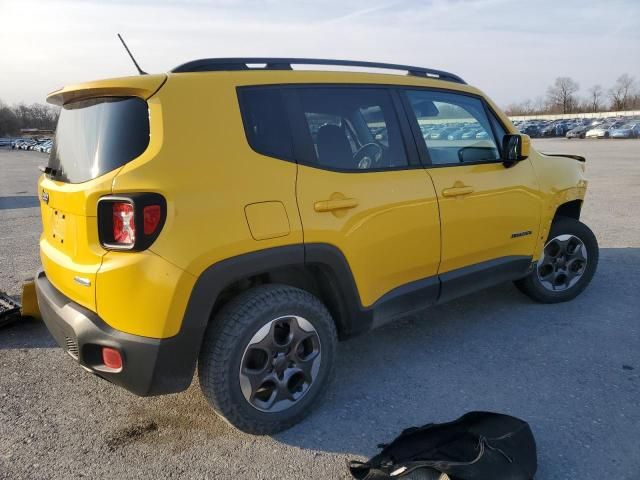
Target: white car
601 131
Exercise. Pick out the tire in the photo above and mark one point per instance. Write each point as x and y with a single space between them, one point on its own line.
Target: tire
253 332
544 284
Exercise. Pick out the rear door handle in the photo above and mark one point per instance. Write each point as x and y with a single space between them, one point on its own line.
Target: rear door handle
456 191
330 205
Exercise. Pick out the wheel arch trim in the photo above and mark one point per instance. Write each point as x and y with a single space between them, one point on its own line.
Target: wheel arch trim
571 209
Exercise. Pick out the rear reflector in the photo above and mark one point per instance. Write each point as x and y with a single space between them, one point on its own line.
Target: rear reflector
152 215
111 358
124 227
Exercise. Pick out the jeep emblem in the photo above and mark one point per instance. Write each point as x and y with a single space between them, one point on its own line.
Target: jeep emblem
45 197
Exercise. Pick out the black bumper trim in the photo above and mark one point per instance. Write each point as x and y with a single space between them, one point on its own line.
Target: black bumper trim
150 366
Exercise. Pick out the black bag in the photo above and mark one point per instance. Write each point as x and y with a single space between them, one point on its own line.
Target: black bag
477 446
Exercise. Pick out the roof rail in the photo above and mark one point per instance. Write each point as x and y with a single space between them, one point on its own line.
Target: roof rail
232 64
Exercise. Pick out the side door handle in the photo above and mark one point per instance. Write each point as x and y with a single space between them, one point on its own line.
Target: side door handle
330 205
456 191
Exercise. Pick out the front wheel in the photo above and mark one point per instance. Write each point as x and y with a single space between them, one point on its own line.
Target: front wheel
267 358
566 266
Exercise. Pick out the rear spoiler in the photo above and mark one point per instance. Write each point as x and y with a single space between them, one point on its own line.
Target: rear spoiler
575 157
142 86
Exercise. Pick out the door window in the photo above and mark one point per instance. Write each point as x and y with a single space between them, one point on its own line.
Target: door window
350 128
454 127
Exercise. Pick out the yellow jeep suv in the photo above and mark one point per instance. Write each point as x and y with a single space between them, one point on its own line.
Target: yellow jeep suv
242 216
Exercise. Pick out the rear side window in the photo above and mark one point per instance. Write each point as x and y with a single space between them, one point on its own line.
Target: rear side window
265 121
350 128
454 127
98 135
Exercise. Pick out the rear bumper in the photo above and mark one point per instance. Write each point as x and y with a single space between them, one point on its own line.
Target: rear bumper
150 366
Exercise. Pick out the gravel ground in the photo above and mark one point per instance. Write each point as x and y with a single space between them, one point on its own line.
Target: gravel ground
571 370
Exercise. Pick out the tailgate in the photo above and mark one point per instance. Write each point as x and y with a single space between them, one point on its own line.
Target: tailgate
69 248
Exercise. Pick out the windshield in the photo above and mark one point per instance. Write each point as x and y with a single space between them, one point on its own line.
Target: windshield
98 135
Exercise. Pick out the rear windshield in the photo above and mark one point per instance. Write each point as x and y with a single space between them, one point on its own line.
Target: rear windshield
98 135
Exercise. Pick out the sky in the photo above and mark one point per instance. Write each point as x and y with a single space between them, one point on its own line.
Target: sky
512 50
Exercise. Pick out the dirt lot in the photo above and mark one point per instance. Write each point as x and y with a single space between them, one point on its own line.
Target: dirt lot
572 370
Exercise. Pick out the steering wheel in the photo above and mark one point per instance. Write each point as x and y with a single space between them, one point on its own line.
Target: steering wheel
368 156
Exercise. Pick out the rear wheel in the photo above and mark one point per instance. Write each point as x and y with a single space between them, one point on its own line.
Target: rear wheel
267 358
566 266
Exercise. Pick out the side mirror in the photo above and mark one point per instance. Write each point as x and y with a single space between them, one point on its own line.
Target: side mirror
515 148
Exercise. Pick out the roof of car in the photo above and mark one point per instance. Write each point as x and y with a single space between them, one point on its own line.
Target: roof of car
268 63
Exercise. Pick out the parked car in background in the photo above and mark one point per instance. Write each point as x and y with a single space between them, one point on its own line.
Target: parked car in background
456 134
532 130
42 146
578 132
460 132
601 131
629 130
38 145
470 134
548 130
442 134
602 127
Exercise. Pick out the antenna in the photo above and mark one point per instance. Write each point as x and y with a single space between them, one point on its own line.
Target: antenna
140 71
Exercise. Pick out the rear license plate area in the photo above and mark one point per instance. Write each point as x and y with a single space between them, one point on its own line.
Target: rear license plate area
58 226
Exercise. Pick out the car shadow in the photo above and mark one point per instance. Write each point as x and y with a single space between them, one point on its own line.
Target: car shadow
495 350
25 333
13 202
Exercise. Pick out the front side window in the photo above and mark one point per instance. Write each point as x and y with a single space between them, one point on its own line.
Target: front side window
351 128
454 127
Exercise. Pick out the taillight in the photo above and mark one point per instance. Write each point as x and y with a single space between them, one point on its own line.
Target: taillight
124 226
132 221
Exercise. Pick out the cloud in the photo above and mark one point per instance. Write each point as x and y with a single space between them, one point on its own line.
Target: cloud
510 49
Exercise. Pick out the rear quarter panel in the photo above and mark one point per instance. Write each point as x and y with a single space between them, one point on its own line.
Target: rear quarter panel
208 174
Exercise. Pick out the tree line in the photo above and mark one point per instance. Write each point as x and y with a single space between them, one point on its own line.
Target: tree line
37 115
562 97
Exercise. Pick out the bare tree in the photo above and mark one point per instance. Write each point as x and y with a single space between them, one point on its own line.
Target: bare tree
622 92
9 123
540 105
562 94
561 98
12 119
595 98
525 107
